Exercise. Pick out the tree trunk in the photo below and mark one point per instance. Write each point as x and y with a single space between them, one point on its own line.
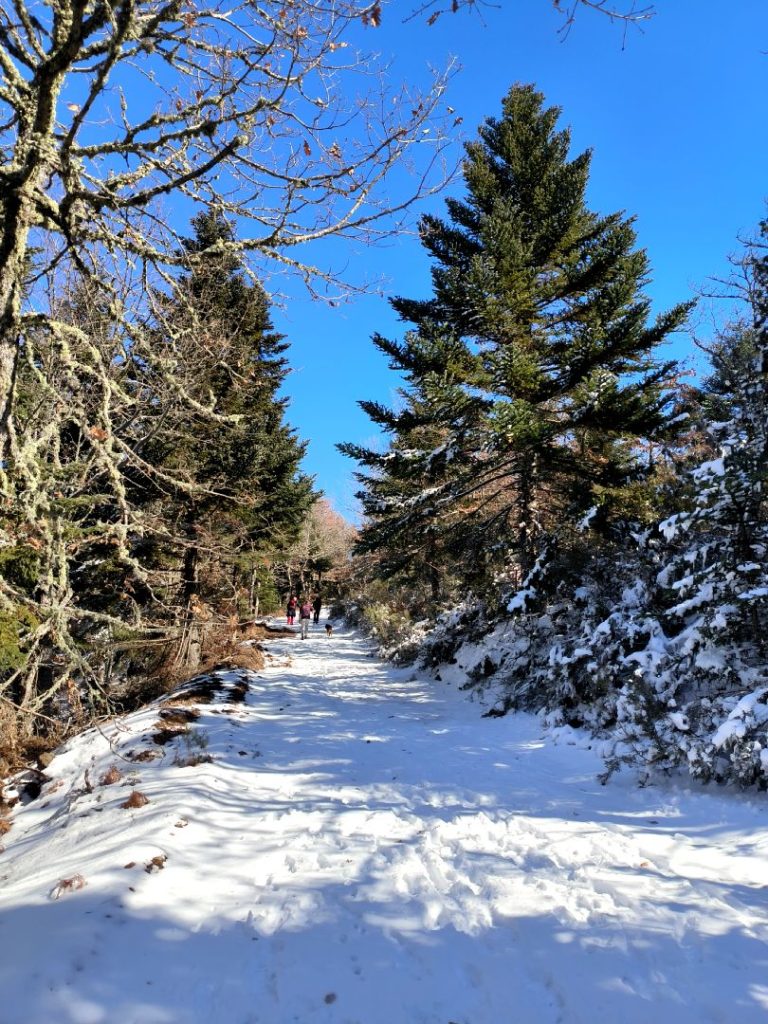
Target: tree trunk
527 506
191 647
432 570
29 165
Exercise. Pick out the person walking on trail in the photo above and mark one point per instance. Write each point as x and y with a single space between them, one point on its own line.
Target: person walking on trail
305 614
317 604
290 611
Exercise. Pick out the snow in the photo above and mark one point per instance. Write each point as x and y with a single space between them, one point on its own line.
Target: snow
519 600
585 522
751 709
713 468
680 721
709 660
364 848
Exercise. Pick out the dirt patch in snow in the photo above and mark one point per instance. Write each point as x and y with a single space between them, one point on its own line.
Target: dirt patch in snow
204 688
243 657
235 691
165 735
200 690
178 716
140 756
262 631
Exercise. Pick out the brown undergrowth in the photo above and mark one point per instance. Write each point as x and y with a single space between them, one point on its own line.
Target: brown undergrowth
226 645
236 646
5 818
135 800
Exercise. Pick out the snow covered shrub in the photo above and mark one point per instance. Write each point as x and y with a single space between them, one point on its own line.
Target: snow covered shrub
566 632
459 627
385 620
696 694
657 641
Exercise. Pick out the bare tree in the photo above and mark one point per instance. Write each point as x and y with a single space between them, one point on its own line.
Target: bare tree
118 120
321 554
108 108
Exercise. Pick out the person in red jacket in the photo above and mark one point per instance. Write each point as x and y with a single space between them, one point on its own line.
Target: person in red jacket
290 611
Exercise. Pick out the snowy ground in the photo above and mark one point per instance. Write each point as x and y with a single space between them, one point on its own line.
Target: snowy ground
365 849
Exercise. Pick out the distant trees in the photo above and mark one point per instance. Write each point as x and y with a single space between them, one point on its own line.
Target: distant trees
319 557
533 388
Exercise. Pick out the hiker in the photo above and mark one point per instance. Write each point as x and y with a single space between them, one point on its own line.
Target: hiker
305 614
290 611
317 604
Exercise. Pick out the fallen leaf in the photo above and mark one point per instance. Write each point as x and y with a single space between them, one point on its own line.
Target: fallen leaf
67 885
136 799
111 776
156 864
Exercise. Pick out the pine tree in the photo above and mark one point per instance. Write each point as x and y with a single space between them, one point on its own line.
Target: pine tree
417 469
247 496
544 380
684 643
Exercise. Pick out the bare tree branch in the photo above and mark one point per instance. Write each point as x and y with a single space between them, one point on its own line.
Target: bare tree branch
629 12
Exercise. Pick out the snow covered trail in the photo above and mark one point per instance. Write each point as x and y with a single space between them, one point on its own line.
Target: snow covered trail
365 849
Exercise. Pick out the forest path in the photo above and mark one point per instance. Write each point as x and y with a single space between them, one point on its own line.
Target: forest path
364 848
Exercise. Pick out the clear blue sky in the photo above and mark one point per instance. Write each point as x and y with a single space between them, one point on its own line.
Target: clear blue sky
676 116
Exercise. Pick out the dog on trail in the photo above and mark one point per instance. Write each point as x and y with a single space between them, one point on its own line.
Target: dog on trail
328 629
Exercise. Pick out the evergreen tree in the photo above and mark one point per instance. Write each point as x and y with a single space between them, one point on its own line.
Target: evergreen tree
701 689
533 363
417 470
662 639
245 496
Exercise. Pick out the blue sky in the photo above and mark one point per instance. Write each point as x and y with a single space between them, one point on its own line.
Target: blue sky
676 118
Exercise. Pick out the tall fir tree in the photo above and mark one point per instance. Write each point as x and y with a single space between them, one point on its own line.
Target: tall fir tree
246 495
533 364
662 638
